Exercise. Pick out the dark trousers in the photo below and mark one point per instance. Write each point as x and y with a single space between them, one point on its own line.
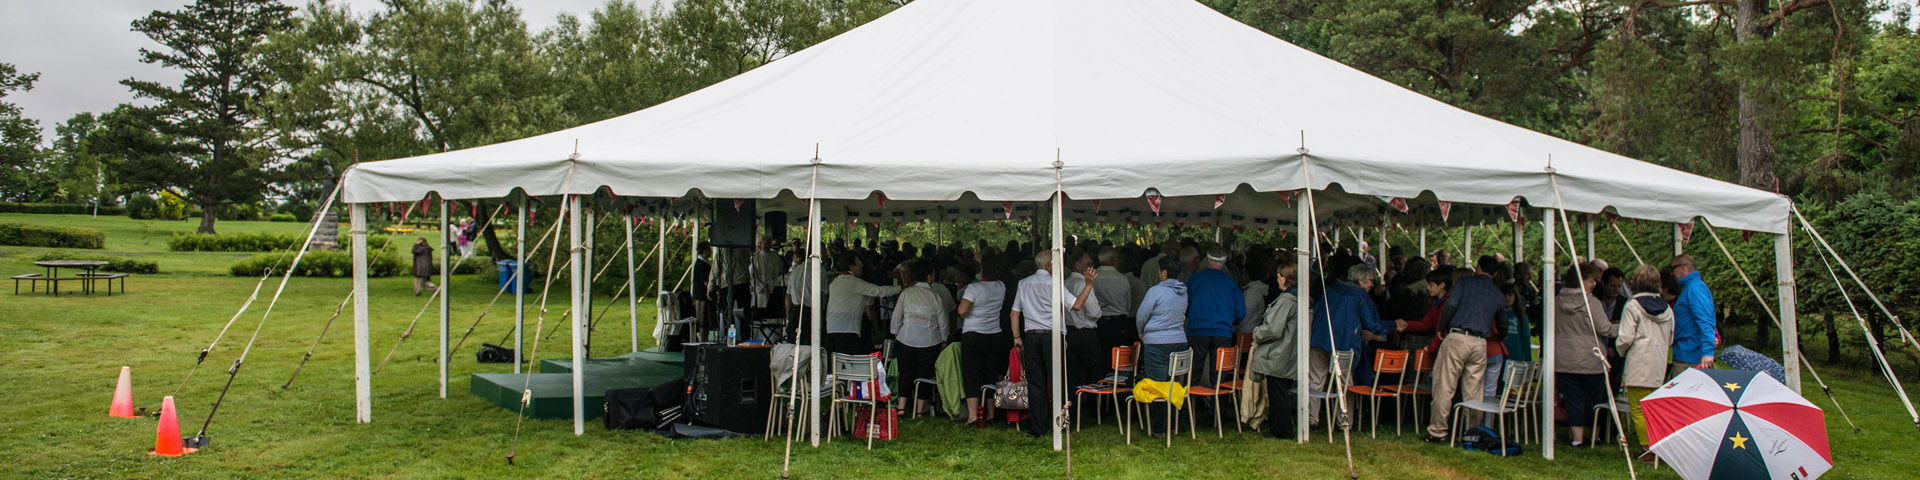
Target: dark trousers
1087 361
1118 331
1153 365
1036 360
847 343
1203 356
915 363
1581 392
1280 408
801 325
983 359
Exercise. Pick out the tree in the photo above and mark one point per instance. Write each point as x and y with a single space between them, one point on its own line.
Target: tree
208 143
72 166
19 139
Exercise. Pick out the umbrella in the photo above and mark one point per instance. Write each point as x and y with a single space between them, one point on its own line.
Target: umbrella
1740 358
1712 424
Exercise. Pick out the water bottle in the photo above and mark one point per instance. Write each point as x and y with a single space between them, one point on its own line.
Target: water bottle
731 332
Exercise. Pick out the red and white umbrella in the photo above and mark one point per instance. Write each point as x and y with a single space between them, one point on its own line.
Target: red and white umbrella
1712 424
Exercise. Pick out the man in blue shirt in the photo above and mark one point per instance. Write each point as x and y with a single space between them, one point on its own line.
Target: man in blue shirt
1694 331
1338 317
1214 304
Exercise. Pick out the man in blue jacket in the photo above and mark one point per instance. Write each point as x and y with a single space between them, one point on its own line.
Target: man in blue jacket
1338 317
1214 303
1694 332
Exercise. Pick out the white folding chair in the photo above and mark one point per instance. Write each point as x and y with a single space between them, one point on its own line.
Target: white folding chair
1500 407
1333 390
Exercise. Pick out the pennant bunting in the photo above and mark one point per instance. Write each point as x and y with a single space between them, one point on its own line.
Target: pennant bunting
1006 210
1286 197
1686 232
1219 200
1446 207
1398 204
1153 202
737 203
1513 211
882 196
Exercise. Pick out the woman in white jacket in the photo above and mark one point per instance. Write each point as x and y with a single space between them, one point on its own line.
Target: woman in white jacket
1646 333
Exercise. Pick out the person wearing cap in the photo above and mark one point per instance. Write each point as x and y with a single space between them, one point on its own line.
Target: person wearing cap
1215 304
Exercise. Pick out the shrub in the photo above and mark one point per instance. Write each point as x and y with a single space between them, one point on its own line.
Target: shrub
167 207
115 263
59 208
237 212
233 242
318 263
283 217
26 235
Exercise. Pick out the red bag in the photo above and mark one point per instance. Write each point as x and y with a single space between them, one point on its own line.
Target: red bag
886 428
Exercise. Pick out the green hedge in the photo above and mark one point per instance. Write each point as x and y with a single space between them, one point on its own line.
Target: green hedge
115 263
318 263
283 217
233 242
59 208
26 235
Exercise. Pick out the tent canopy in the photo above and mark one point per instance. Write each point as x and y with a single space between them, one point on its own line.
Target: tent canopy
971 103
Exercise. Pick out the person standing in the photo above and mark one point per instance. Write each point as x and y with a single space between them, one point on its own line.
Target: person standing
983 343
1215 304
1274 344
1033 311
423 267
1162 321
702 291
1338 317
1578 326
1087 361
1470 317
849 299
920 326
1694 332
1646 333
1114 290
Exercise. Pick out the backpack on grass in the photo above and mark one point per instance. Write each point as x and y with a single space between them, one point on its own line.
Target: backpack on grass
1483 439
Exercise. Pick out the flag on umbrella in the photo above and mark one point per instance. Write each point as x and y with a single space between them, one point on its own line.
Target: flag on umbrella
1713 424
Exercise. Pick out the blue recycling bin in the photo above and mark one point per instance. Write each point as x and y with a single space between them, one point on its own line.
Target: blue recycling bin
507 282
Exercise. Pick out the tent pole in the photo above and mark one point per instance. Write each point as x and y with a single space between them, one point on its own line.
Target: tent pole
589 218
1519 242
813 316
1548 352
446 283
1466 247
1789 322
1057 370
362 372
1679 243
633 301
1380 251
1423 244
519 278
1592 253
699 332
660 288
575 286
1303 248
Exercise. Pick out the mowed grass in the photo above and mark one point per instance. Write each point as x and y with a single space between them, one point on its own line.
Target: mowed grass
64 354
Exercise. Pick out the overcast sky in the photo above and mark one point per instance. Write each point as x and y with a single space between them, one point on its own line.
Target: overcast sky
83 48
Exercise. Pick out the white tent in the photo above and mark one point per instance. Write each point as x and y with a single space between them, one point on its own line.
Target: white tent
971 103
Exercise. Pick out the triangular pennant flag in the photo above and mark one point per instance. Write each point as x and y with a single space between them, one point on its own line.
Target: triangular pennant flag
1096 205
1006 209
737 203
1398 204
1613 218
1286 197
1686 232
882 197
1513 211
1219 200
1153 202
1446 207
1746 235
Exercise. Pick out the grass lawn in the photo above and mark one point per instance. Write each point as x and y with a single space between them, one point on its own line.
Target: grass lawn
65 353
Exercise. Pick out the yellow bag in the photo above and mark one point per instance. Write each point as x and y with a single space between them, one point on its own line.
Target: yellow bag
1147 390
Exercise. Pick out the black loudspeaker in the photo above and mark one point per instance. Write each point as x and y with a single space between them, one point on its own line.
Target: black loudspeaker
648 408
777 227
728 387
733 227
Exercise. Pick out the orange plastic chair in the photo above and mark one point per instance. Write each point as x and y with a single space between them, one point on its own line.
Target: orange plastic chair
1113 386
1385 362
1242 346
1422 366
1226 364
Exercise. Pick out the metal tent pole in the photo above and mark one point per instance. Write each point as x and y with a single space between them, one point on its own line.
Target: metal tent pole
519 278
633 301
575 286
813 316
445 287
1303 248
1057 384
1789 321
362 370
1548 353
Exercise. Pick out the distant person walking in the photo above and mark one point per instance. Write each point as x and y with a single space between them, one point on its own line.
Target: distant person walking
422 267
1694 331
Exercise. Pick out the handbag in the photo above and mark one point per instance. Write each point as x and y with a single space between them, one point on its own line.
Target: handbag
1010 395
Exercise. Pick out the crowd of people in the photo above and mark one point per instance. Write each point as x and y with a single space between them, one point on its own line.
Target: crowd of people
1618 333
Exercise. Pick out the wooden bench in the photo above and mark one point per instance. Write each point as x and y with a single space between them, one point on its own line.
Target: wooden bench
109 278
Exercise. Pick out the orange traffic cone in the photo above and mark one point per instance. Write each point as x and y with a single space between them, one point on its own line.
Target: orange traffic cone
166 441
123 396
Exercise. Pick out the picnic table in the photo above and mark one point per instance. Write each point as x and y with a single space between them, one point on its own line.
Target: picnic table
87 279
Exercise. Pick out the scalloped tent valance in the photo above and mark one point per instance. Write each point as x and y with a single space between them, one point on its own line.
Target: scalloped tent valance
945 99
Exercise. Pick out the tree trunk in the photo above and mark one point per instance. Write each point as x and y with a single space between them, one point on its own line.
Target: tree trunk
1833 338
207 214
494 250
1763 333
1755 153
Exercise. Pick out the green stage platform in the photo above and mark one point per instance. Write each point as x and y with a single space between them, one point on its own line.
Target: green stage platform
553 386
